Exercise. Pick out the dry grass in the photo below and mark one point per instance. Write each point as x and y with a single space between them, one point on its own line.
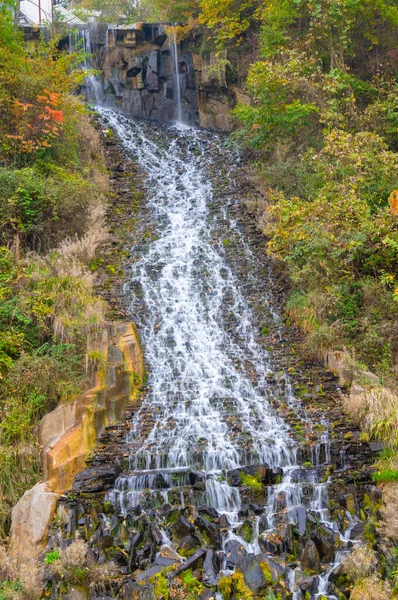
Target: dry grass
74 555
376 411
83 249
359 563
8 567
72 567
371 588
101 576
65 277
27 577
388 527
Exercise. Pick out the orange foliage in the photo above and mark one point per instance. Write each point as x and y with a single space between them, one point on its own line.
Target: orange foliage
393 202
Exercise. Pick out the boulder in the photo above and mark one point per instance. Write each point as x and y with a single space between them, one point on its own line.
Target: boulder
235 553
135 591
253 574
146 575
209 577
210 530
191 562
188 543
31 517
182 527
310 559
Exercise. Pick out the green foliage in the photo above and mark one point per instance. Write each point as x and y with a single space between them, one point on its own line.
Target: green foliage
323 127
51 557
52 186
385 476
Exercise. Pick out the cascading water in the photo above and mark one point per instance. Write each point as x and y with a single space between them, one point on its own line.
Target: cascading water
177 85
209 410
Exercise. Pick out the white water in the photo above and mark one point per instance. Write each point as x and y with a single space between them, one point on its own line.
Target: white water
208 380
177 86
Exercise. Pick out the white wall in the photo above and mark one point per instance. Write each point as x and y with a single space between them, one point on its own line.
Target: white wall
30 8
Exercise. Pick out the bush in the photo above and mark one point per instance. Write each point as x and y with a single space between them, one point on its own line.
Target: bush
370 588
359 563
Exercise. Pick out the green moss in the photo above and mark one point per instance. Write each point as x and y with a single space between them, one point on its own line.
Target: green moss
251 482
160 585
240 588
307 465
266 571
246 531
225 587
193 586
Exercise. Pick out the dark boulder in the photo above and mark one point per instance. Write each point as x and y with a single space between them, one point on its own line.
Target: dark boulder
191 562
209 577
135 591
208 510
253 574
188 543
96 479
182 527
210 530
235 553
310 559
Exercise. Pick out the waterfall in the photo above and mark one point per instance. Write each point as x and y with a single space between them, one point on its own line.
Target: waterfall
208 414
177 86
94 87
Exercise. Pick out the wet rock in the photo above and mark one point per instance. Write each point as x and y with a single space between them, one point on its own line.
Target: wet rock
301 519
207 595
182 527
303 583
264 473
165 562
169 553
135 591
96 479
253 574
73 522
244 511
271 568
235 553
209 577
245 531
188 543
146 575
326 541
191 562
374 493
210 530
223 522
256 509
357 530
310 559
208 510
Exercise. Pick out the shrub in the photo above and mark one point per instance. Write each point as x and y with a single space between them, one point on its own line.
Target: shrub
370 588
389 524
359 563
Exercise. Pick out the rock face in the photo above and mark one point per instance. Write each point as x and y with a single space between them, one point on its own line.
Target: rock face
69 433
30 519
140 75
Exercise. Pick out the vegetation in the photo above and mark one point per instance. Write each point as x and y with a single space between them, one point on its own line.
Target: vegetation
52 186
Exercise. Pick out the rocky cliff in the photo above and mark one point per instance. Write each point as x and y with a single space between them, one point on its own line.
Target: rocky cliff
142 67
